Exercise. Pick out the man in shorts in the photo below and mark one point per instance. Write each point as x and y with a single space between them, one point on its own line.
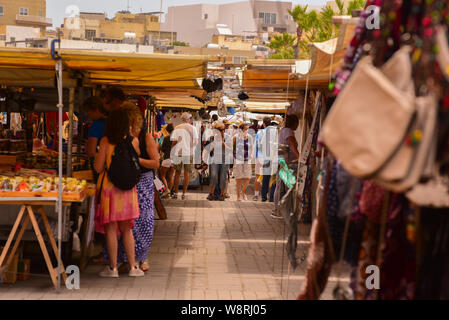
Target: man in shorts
184 141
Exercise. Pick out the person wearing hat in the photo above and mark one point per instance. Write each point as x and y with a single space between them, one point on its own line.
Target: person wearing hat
184 141
242 150
217 160
166 166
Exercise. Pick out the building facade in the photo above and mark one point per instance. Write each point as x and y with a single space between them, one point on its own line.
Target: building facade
197 24
125 27
23 13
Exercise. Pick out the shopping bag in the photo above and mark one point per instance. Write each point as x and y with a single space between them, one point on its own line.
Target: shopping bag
159 185
287 175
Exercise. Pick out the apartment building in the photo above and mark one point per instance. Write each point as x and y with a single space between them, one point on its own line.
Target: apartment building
235 42
125 27
23 14
197 24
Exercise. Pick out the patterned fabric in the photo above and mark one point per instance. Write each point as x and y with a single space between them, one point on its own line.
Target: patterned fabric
367 257
144 225
320 254
115 204
336 221
398 271
371 201
335 224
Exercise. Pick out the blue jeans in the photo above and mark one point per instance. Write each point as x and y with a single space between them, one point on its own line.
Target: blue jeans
219 175
266 189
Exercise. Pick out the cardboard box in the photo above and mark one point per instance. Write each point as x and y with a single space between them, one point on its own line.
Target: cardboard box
8 274
23 269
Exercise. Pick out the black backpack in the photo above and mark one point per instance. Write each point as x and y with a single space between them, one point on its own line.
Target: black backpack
124 171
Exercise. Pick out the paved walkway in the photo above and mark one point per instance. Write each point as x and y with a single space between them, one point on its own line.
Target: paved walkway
205 250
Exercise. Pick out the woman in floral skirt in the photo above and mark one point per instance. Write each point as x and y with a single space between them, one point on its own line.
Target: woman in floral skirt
149 161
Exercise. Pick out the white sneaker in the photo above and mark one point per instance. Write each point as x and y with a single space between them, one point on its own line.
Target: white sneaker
274 215
136 272
108 272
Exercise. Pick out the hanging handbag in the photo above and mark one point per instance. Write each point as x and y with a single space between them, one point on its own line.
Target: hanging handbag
370 118
415 158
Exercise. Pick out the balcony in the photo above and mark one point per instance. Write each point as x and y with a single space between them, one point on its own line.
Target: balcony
262 24
34 21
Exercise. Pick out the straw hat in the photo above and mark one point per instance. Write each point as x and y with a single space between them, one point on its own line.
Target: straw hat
218 125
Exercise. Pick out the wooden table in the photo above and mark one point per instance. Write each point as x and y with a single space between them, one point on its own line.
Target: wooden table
28 208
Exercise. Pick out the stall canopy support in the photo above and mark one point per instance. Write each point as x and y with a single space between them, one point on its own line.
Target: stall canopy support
60 106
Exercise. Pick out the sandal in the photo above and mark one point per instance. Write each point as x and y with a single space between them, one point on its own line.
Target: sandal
144 266
99 259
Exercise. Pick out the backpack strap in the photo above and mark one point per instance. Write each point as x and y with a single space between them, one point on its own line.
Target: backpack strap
105 172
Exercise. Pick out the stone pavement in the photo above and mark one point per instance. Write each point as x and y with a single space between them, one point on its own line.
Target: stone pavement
205 250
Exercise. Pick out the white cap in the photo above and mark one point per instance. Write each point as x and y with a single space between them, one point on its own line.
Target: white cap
186 116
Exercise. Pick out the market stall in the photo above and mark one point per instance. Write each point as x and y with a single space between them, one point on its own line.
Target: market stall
29 74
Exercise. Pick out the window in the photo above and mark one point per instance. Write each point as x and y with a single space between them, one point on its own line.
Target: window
23 11
2 10
206 16
267 19
41 13
2 37
239 60
90 34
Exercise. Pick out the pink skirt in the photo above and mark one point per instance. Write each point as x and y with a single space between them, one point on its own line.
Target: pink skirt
116 205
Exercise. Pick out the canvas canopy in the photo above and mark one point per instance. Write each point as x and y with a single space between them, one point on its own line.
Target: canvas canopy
35 67
292 74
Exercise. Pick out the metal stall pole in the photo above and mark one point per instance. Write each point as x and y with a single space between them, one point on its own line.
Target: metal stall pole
70 142
80 129
60 106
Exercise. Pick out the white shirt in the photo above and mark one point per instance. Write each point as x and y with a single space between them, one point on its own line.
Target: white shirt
187 137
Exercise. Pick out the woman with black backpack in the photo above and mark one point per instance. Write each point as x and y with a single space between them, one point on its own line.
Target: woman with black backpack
149 162
118 205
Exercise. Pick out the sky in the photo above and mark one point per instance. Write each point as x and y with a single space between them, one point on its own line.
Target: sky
56 9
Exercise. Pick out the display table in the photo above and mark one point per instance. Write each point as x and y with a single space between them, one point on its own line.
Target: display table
28 207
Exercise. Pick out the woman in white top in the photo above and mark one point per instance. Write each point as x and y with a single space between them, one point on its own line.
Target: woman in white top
242 149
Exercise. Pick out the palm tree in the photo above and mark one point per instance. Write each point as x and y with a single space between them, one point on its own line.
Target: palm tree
340 6
283 46
355 5
327 28
299 15
318 27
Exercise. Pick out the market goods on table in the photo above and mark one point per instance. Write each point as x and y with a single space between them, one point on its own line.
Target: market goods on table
12 142
42 186
40 160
